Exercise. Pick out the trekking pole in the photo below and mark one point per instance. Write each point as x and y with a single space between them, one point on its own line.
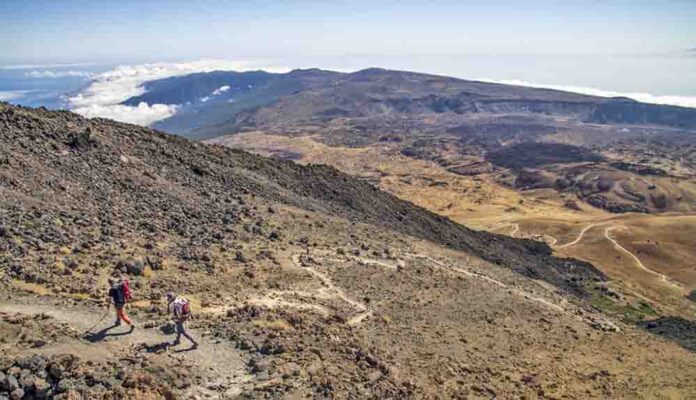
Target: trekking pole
100 320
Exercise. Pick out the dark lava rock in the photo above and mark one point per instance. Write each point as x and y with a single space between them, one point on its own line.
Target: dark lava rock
155 263
692 296
601 201
131 266
10 383
572 204
81 140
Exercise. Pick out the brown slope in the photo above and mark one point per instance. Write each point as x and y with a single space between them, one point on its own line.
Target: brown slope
124 176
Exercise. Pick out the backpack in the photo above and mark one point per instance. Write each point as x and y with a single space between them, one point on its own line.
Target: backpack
121 292
125 287
182 308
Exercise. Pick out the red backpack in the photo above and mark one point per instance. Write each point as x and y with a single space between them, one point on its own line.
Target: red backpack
182 306
125 287
185 309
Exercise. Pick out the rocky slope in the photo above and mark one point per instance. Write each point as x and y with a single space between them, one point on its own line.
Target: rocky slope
305 283
124 179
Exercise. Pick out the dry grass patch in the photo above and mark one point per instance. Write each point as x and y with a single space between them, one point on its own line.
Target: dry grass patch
276 325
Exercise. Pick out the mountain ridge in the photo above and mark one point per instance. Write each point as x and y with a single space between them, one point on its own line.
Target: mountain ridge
377 92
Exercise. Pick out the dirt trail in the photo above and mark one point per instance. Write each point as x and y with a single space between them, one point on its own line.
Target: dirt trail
516 229
552 240
365 312
220 361
572 311
498 283
582 233
639 263
329 284
305 299
607 235
274 300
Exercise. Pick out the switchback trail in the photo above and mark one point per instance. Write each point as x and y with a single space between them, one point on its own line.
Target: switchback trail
363 310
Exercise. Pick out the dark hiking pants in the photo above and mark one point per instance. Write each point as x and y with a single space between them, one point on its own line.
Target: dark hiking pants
181 330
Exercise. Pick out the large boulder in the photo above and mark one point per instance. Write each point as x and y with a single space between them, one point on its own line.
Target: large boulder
131 266
10 383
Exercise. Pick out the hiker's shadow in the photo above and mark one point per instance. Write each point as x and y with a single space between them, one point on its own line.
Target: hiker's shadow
186 350
94 337
163 347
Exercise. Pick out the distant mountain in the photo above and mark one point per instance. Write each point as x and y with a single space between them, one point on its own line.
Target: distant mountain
260 100
210 101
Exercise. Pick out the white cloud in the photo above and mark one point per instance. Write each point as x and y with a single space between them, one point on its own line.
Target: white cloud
143 114
7 95
683 101
221 90
58 74
102 97
204 99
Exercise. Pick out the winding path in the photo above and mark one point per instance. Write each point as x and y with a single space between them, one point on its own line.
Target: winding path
329 284
515 230
496 282
582 233
639 263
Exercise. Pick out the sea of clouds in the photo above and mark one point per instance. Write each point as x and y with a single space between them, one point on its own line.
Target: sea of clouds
50 74
683 101
102 97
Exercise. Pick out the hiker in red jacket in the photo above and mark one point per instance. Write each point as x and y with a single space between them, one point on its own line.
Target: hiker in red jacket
119 294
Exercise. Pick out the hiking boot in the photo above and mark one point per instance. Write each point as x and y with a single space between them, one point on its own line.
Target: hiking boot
194 345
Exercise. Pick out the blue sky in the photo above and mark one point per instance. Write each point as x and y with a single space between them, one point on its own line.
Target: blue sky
139 31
